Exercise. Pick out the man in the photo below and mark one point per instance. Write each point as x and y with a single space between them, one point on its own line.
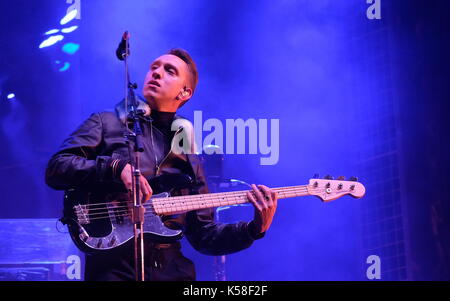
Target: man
95 157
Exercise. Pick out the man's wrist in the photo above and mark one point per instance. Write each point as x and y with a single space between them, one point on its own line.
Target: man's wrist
117 166
252 231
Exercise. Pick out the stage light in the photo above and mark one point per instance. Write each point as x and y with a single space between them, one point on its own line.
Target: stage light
70 48
68 17
51 40
52 31
11 96
65 67
69 29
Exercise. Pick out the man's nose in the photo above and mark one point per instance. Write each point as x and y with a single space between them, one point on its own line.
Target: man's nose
156 74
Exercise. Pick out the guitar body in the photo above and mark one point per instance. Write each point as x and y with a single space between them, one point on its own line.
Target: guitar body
98 224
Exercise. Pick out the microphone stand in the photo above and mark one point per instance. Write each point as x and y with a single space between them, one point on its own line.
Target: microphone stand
214 183
219 261
134 116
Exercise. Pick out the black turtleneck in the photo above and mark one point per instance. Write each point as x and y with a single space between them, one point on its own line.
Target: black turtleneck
163 121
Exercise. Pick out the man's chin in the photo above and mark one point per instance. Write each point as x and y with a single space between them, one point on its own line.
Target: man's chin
150 94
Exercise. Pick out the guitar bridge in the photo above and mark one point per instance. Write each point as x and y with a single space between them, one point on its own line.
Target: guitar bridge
81 212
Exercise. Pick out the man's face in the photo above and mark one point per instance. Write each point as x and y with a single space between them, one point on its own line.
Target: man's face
166 78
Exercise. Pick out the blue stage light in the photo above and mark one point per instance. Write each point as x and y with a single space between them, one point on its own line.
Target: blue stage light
52 31
65 67
51 40
11 96
69 29
70 48
68 17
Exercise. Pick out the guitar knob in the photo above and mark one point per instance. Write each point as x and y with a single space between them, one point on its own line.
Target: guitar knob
341 178
328 177
355 179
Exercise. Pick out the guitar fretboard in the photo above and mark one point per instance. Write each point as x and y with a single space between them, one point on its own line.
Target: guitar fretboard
173 205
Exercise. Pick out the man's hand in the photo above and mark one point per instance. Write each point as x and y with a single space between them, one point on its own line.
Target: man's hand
145 192
265 201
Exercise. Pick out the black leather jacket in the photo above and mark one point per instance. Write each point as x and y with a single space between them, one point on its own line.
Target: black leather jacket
83 162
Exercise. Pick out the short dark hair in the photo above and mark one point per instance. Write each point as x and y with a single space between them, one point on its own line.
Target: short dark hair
184 55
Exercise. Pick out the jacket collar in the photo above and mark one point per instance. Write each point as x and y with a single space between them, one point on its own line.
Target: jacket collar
142 105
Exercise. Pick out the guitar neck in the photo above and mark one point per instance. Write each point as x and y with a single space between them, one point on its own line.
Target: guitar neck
180 204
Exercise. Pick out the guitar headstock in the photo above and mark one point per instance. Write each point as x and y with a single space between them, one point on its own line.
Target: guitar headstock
328 189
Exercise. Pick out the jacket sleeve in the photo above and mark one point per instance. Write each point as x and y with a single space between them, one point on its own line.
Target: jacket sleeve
77 164
215 238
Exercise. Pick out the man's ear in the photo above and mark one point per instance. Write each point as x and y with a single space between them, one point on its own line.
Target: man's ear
185 94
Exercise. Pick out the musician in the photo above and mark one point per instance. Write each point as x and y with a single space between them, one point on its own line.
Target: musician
95 158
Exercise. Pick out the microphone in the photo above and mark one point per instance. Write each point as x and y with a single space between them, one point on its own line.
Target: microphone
121 50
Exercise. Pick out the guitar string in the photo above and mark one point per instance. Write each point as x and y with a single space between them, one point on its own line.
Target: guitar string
218 193
194 200
150 210
183 206
129 214
217 202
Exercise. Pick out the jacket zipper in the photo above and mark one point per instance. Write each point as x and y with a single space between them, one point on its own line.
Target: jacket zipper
158 166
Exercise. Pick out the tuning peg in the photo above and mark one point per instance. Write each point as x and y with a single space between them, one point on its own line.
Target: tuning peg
341 178
316 176
355 179
328 177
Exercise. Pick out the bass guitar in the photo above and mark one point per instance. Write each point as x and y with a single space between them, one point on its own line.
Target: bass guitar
95 226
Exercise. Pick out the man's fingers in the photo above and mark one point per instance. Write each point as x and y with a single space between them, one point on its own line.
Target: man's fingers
145 197
146 189
150 190
127 185
275 198
267 195
253 201
259 197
